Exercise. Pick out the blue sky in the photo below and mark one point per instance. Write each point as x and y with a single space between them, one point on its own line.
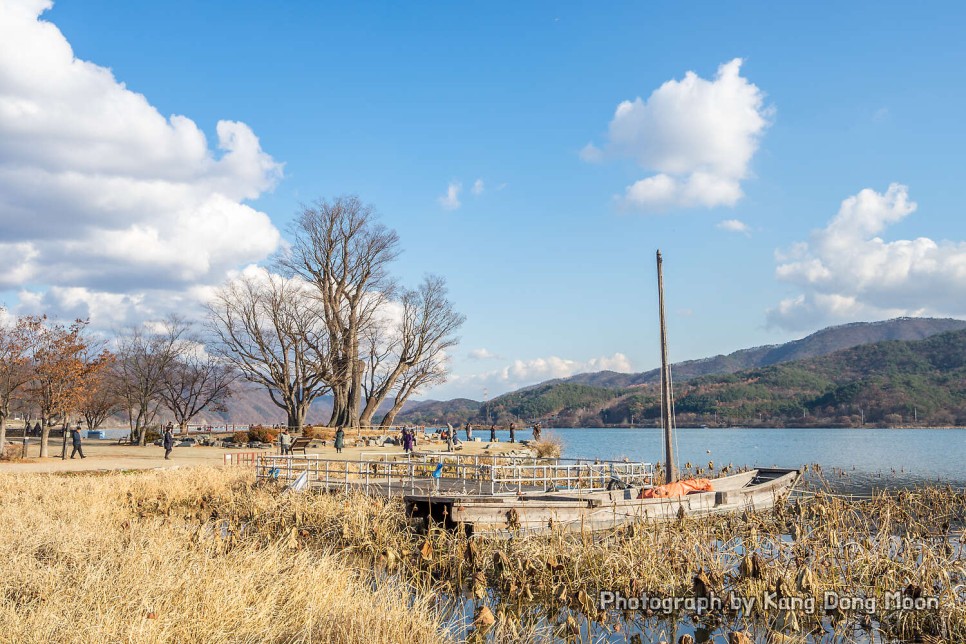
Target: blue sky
553 261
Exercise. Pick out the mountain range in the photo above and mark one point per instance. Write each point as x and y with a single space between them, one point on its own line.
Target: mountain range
605 397
608 397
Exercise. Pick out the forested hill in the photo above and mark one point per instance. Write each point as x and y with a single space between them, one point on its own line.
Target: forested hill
609 397
895 382
820 343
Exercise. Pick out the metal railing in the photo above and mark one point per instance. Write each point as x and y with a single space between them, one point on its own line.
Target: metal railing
454 474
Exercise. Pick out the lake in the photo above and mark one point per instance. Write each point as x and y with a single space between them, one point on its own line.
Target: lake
865 458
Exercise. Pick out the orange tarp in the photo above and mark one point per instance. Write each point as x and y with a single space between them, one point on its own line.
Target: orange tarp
677 488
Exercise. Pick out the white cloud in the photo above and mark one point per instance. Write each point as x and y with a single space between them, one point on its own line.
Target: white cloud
522 373
698 136
590 153
847 271
733 226
451 200
482 354
478 187
102 199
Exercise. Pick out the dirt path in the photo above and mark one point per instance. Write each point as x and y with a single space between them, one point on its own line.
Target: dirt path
108 455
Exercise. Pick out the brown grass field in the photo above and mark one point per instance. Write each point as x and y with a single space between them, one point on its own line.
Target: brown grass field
144 558
204 554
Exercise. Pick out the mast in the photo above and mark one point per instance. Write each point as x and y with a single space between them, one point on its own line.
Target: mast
666 411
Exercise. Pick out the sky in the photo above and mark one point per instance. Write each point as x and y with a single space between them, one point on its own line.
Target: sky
799 165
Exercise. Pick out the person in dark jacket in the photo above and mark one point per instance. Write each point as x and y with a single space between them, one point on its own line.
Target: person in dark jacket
492 433
339 440
75 440
513 432
168 441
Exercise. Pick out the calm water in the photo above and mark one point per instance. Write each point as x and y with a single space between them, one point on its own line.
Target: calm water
850 458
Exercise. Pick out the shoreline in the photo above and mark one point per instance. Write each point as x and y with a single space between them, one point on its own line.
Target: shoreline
107 455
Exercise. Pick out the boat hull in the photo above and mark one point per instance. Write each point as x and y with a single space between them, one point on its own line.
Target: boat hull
576 511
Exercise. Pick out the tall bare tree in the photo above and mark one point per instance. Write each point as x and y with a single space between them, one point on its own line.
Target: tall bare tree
342 250
425 330
271 329
196 381
143 358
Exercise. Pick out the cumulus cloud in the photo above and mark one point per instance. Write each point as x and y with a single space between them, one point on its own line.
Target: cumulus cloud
733 226
521 373
451 200
478 187
103 199
698 136
847 271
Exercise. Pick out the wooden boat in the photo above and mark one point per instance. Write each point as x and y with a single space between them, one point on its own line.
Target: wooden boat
580 510
618 504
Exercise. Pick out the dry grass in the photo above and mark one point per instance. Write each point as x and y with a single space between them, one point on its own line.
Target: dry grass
10 452
163 557
216 559
549 446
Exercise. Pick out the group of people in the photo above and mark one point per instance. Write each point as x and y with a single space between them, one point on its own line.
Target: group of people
408 439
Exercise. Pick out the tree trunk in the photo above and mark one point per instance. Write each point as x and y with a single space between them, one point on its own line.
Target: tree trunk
184 427
142 422
355 394
379 395
44 434
296 418
338 417
390 416
3 432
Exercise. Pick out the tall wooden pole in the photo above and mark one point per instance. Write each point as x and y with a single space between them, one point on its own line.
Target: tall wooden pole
665 378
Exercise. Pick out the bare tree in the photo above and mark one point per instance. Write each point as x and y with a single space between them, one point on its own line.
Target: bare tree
272 331
102 400
196 381
431 371
340 249
426 328
143 358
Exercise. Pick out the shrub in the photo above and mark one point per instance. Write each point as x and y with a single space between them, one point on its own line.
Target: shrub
550 446
11 452
262 434
317 432
239 437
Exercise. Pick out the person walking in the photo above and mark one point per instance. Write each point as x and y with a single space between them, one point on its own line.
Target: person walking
469 433
167 441
492 433
536 432
75 440
409 439
449 437
285 442
339 440
513 432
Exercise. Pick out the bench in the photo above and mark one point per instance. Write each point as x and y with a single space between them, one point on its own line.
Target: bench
300 443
